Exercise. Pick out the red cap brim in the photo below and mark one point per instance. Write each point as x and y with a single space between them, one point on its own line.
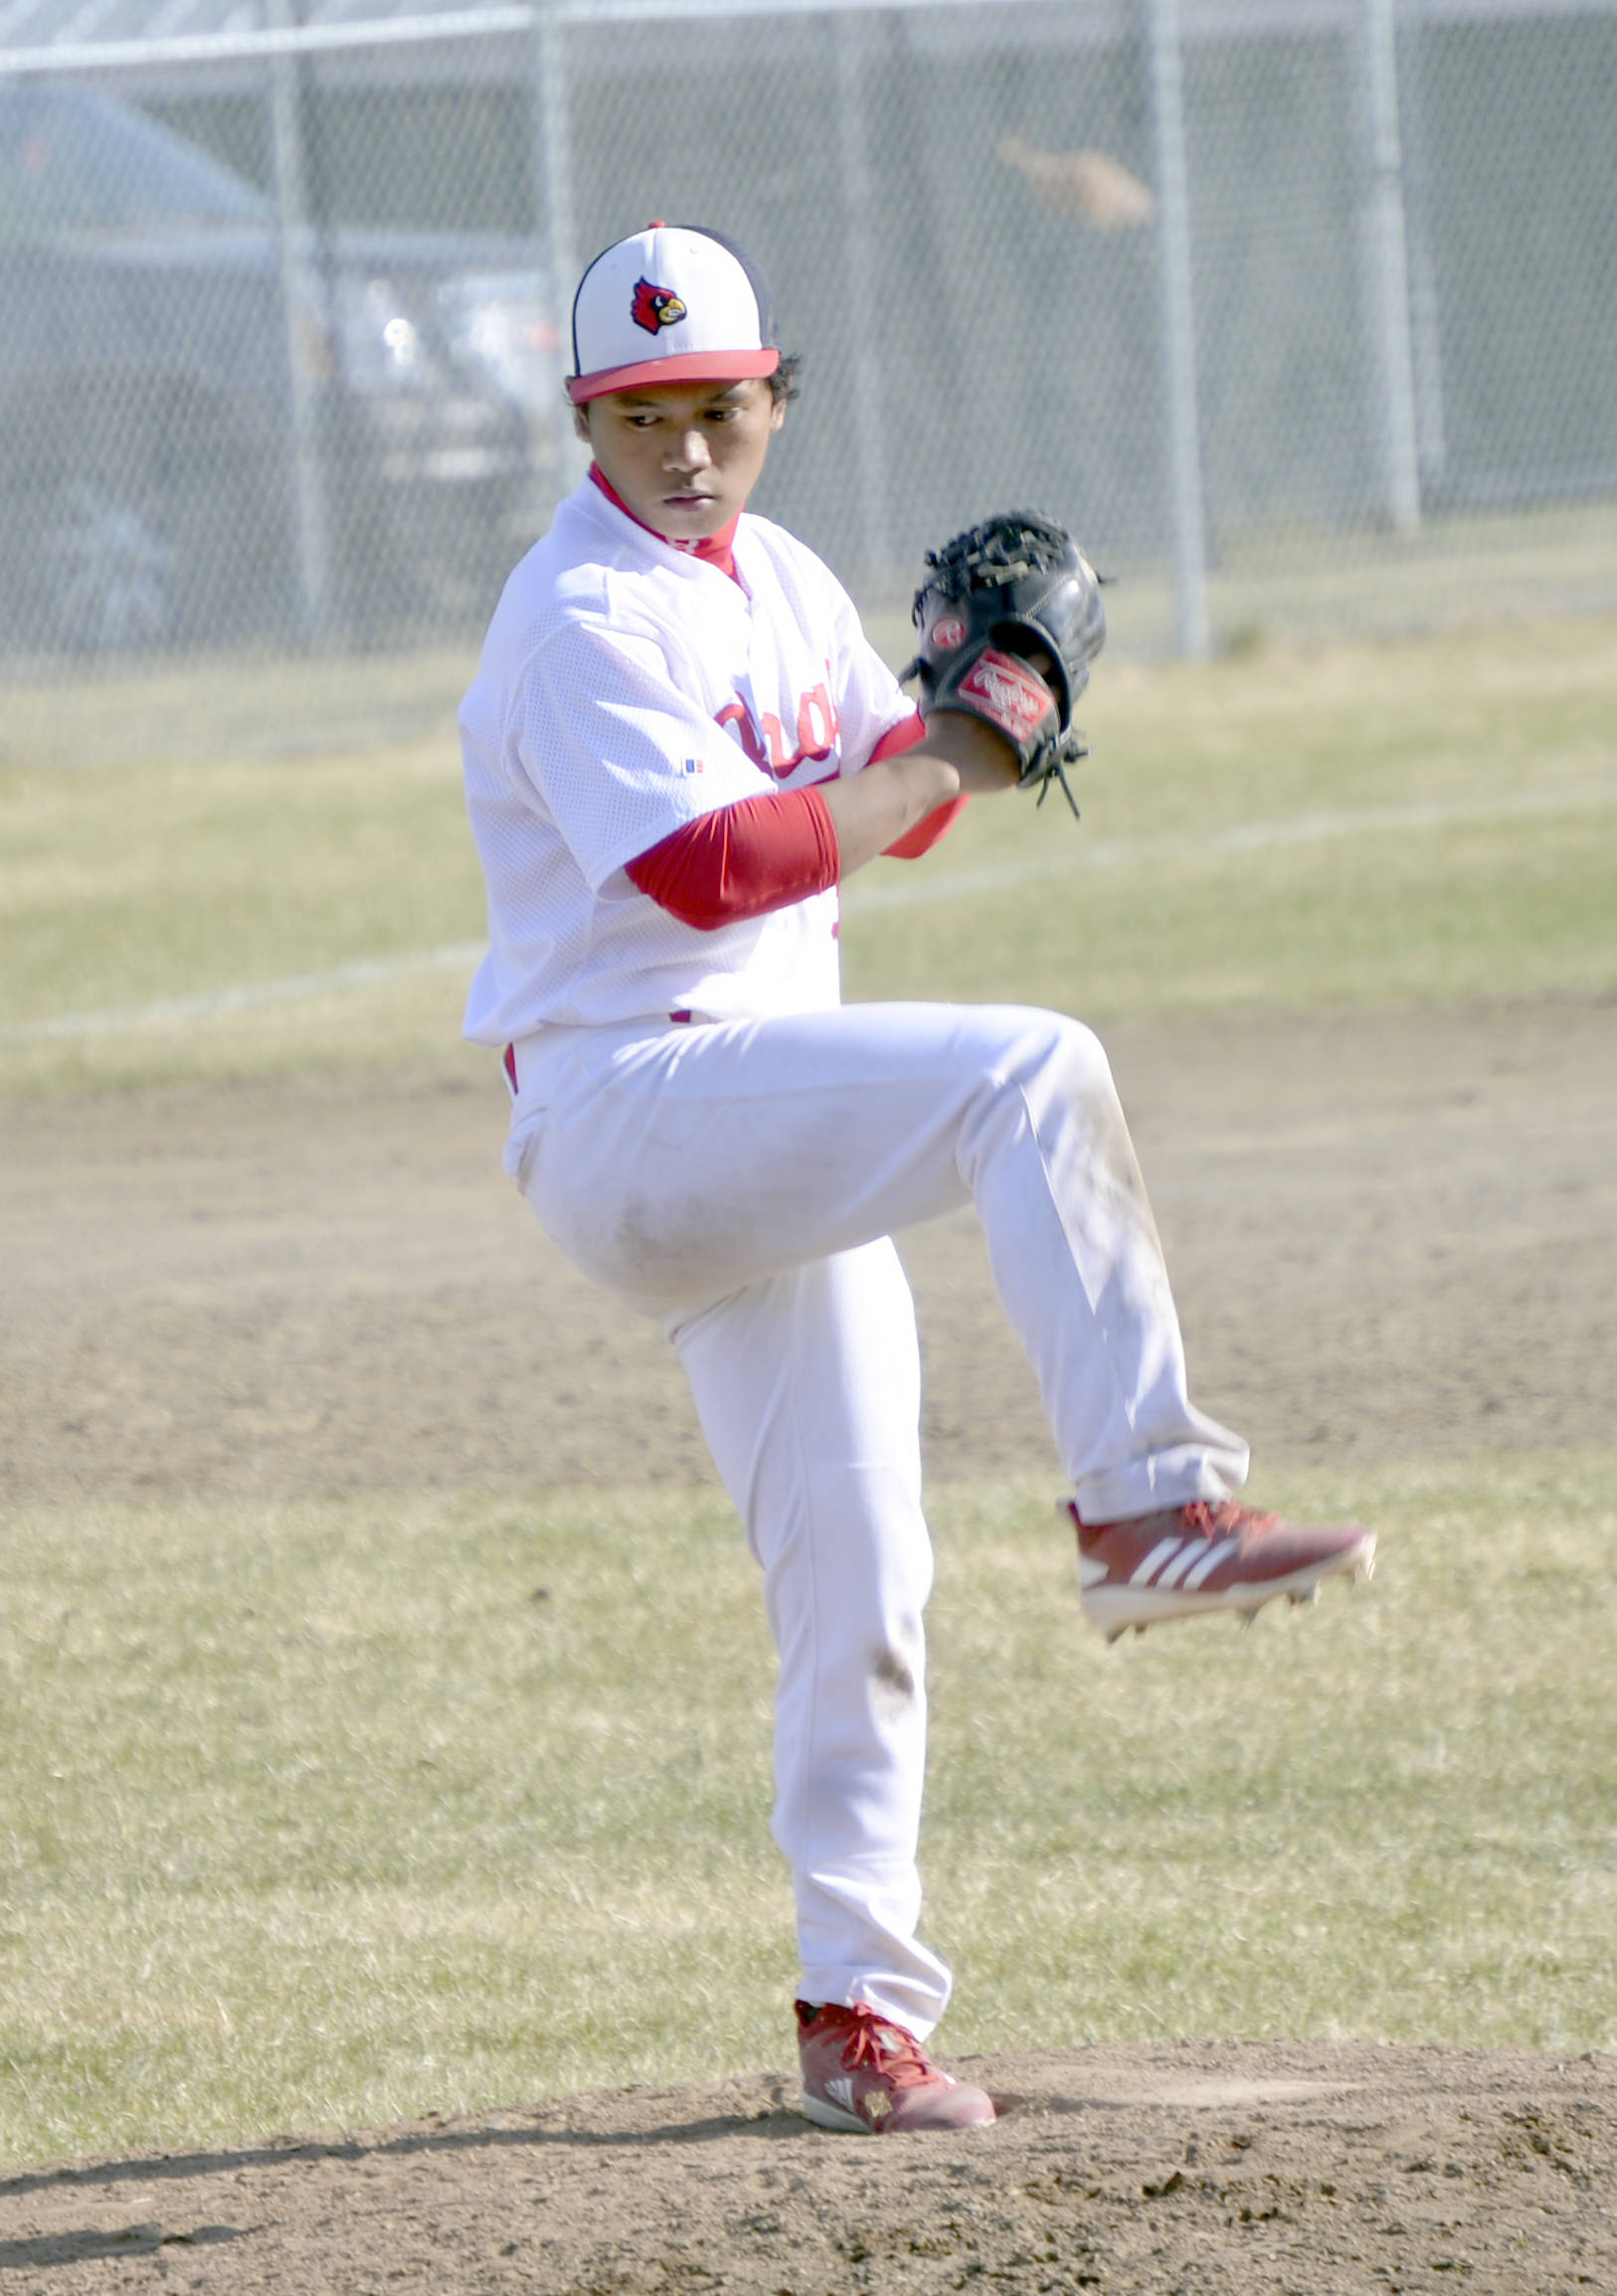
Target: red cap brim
687 367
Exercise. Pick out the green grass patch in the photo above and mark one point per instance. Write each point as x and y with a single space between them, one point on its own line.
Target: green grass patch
332 1815
1506 886
1389 916
130 885
187 877
248 705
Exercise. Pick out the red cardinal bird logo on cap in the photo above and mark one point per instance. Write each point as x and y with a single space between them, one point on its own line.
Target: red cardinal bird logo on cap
654 308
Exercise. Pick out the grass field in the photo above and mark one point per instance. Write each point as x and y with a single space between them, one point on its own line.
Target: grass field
1364 825
338 1814
327 1815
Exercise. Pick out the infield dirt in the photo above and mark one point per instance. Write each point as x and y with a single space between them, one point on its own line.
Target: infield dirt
1392 1236
1314 2172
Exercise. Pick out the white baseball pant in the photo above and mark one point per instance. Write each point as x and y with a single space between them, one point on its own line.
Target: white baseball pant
740 1181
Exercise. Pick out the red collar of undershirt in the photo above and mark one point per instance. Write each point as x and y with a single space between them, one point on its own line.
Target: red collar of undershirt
712 549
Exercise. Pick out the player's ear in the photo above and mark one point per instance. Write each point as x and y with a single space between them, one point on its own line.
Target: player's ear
581 422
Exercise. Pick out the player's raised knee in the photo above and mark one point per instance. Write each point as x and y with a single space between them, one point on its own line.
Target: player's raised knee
1054 1046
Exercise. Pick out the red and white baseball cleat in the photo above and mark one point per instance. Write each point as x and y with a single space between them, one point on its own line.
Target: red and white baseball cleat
1189 1560
867 2075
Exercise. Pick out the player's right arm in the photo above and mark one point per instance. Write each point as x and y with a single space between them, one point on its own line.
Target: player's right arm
763 853
874 811
600 728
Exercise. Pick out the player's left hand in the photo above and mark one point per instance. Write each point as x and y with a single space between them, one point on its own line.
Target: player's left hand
1010 620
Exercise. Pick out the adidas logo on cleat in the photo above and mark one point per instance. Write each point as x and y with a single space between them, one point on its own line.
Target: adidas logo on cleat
1188 1561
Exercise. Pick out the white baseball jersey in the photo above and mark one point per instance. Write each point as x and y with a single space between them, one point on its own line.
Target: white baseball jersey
627 689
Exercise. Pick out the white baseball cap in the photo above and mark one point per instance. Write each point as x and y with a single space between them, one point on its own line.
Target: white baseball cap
670 304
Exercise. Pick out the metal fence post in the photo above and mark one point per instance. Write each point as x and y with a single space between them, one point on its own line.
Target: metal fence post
552 125
1178 327
1389 268
301 306
848 44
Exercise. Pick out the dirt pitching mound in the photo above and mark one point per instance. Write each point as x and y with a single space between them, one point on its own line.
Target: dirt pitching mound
1324 2171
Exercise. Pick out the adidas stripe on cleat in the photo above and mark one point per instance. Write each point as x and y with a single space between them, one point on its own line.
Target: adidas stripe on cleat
1190 1561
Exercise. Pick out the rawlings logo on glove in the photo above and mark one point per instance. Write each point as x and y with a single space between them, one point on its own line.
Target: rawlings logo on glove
1010 619
1009 694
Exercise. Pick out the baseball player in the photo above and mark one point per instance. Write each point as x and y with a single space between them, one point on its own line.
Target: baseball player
677 746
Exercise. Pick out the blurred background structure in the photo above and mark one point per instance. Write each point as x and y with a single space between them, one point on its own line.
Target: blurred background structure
1302 312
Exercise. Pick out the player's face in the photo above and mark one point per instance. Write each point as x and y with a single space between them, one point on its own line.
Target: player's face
684 457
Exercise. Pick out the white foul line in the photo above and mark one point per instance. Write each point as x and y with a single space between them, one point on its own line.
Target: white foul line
1250 838
364 972
923 891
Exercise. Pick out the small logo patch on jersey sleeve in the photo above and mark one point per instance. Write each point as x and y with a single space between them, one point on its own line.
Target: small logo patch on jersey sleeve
693 765
655 308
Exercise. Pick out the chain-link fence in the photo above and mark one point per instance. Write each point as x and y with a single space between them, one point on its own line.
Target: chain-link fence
1288 306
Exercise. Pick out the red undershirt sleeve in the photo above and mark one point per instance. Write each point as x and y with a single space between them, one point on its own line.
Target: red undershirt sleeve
934 826
742 861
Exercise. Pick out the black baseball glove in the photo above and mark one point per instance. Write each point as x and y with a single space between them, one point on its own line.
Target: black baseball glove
1010 619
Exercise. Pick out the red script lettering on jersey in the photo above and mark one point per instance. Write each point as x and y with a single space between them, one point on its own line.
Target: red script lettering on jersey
765 739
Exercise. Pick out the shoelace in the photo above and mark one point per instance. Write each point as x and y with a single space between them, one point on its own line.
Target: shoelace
874 2040
1213 1518
1224 1519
